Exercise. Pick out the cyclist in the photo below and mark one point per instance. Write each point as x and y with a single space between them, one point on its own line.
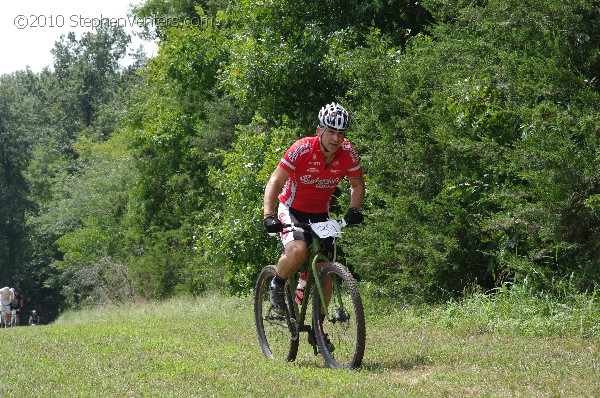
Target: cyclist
34 318
303 184
6 297
15 305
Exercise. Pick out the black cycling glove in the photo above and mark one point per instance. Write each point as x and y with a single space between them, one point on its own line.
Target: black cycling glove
272 225
353 216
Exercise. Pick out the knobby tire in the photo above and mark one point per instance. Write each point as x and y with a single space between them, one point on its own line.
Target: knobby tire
277 335
345 325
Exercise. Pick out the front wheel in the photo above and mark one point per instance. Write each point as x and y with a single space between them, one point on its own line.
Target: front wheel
340 330
277 334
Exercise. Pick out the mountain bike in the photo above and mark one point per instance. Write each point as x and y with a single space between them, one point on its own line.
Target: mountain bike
338 322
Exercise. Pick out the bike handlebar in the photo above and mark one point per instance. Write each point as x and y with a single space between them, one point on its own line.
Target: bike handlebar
298 226
305 227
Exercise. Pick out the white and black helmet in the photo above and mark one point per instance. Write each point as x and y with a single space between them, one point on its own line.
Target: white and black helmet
335 117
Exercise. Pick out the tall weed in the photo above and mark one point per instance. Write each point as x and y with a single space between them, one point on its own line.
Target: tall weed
520 310
512 309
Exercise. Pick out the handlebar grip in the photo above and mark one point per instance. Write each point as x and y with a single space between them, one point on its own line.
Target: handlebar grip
298 226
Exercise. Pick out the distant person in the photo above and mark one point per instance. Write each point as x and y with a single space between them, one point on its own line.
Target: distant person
15 305
34 318
6 297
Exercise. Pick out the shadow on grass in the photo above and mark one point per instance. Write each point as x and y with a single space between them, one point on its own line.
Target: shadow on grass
397 364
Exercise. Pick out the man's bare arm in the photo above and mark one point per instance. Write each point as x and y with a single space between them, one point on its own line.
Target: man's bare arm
357 191
272 190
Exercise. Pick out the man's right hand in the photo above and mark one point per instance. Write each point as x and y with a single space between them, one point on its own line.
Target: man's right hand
272 225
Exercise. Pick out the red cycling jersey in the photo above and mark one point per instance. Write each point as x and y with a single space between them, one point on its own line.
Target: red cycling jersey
311 183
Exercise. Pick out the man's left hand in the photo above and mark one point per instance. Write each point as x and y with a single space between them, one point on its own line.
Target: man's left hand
353 216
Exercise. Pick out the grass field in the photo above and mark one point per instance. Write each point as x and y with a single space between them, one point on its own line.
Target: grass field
207 346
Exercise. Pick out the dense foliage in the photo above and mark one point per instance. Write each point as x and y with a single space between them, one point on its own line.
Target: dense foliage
478 124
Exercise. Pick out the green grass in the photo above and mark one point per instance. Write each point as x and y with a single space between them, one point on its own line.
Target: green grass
185 347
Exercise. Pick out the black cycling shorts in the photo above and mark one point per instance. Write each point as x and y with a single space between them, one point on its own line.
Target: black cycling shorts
289 215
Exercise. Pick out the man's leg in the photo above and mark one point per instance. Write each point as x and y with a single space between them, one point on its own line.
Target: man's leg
292 258
328 246
327 285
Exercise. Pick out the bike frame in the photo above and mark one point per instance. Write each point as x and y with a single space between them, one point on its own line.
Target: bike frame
317 257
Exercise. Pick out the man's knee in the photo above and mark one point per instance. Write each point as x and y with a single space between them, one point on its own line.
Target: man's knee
296 251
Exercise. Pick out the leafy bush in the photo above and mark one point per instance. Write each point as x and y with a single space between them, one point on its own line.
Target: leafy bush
231 235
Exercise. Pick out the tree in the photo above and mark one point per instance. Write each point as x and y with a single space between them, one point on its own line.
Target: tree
230 233
76 108
87 70
452 150
284 54
16 111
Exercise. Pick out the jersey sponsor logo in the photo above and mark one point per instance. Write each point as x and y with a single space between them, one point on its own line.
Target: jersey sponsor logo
352 152
313 170
354 156
289 188
299 151
325 183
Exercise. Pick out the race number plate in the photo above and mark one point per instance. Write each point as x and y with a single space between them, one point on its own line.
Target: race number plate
326 229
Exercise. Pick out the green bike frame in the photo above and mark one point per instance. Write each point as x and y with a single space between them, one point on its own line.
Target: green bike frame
315 251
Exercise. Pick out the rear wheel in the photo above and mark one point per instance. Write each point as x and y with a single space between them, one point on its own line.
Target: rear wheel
341 334
277 334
